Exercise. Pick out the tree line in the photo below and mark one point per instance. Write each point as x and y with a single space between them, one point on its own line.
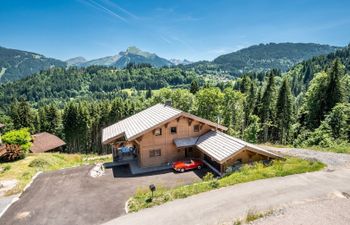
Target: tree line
255 108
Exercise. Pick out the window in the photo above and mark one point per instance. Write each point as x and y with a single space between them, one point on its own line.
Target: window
158 132
196 128
173 130
154 153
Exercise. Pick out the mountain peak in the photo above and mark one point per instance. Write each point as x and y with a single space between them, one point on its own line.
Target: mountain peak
133 50
136 51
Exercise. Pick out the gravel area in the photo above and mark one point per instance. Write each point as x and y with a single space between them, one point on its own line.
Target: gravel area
72 196
331 159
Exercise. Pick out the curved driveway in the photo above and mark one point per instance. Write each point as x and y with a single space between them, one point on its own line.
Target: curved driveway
225 204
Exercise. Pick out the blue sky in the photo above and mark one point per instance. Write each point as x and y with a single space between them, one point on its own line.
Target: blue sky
195 30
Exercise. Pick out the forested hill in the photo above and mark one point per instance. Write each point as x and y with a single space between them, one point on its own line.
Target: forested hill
263 57
91 82
16 64
304 72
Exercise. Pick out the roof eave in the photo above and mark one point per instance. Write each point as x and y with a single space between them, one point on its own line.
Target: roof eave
109 140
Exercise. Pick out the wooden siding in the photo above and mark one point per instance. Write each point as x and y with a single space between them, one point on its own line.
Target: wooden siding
165 142
246 156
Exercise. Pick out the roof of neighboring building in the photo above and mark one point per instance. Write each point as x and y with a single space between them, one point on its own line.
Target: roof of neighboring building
146 120
2 125
221 146
185 142
43 142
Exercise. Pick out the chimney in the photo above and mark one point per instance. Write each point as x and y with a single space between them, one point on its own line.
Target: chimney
167 103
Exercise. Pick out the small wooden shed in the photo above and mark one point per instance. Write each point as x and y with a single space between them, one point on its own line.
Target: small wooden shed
45 142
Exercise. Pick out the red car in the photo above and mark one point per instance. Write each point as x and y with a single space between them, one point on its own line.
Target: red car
190 164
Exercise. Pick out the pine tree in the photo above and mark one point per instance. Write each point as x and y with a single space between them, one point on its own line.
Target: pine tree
149 93
267 106
249 104
194 86
22 115
335 92
284 111
245 84
308 74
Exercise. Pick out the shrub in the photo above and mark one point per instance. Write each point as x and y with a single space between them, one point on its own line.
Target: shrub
208 177
39 163
5 168
20 137
214 184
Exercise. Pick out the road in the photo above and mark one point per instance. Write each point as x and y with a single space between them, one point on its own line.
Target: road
226 204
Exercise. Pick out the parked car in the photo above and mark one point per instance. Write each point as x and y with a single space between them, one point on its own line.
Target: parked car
183 165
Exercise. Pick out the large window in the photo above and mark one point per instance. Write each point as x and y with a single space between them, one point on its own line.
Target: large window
158 132
155 153
173 130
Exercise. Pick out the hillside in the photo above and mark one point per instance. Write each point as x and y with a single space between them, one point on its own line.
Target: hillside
123 58
263 57
91 83
304 72
17 64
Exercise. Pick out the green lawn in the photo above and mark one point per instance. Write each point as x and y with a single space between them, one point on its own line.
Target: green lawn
279 168
23 170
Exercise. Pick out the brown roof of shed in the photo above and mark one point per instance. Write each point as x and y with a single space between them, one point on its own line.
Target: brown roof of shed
43 142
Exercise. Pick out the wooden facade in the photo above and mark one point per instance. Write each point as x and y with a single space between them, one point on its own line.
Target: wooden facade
161 134
151 140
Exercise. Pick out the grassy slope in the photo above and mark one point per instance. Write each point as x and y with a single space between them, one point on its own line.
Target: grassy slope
290 166
337 148
23 170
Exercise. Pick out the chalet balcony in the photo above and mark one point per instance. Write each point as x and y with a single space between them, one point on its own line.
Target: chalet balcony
125 154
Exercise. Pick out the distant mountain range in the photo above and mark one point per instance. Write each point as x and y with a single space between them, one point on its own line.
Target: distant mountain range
16 64
263 57
122 59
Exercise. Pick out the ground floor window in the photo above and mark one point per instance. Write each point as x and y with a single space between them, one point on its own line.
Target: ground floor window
155 153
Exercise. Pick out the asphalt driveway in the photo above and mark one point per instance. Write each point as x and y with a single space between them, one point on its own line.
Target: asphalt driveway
71 196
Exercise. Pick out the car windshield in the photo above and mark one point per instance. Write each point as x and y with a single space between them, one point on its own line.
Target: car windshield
188 162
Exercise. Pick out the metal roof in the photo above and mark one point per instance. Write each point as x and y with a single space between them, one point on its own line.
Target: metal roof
2 125
185 142
146 120
140 122
221 146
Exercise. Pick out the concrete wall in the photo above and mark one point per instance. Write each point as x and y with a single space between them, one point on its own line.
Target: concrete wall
165 142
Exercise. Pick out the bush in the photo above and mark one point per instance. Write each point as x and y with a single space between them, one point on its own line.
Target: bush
208 177
214 184
39 163
20 137
11 153
5 168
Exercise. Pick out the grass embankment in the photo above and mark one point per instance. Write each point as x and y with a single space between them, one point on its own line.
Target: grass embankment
339 148
336 148
23 170
279 168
